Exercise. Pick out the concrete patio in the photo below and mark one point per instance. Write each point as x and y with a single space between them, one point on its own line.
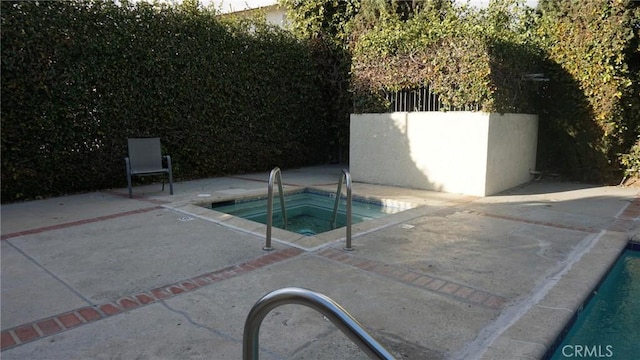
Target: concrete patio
102 276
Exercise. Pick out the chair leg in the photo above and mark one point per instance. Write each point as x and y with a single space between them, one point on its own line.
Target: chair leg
128 166
170 175
129 185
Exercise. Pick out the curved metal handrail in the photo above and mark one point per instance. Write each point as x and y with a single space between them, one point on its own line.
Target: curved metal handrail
272 177
325 305
346 176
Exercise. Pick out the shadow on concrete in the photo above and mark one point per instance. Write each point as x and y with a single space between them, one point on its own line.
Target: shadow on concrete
544 187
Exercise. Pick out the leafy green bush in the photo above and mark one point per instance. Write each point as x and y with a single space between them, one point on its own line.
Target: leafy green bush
631 161
467 55
588 51
593 98
324 26
80 77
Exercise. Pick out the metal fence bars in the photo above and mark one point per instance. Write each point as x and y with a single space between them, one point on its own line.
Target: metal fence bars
420 99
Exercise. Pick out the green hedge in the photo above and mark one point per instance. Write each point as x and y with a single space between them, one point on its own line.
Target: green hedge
323 25
588 51
592 102
80 77
467 55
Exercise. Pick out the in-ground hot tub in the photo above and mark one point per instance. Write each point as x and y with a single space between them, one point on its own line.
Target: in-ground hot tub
310 211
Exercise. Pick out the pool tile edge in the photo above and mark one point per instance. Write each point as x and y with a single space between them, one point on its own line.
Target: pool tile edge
200 208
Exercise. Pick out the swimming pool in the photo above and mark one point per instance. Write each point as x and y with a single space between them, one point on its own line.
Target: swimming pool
609 325
309 212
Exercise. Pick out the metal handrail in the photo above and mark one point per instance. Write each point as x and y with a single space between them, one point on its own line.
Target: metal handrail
272 176
347 177
325 305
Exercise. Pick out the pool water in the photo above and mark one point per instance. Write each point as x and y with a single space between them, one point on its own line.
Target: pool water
308 212
609 326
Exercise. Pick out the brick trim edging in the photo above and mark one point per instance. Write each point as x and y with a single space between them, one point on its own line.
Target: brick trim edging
590 230
78 222
627 218
39 329
623 222
440 286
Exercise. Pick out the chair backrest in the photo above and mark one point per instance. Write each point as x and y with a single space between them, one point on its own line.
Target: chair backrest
145 154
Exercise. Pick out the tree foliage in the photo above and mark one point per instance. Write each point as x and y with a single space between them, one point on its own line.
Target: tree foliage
327 19
467 55
324 25
593 98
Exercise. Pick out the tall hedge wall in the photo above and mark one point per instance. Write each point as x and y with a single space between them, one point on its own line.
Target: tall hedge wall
592 101
80 77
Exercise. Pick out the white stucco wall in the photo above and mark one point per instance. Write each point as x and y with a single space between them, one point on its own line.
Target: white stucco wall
460 152
277 16
511 155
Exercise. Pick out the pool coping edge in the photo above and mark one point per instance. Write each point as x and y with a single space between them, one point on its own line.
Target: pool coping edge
546 321
197 208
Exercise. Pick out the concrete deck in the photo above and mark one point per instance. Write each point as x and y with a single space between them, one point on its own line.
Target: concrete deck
102 276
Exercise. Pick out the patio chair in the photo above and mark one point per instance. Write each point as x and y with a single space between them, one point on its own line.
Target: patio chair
145 158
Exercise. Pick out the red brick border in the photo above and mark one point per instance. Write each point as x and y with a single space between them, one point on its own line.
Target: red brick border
54 325
627 218
79 222
623 222
440 286
534 222
632 210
